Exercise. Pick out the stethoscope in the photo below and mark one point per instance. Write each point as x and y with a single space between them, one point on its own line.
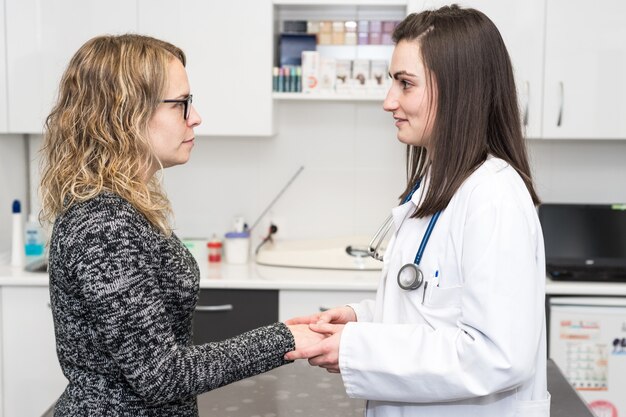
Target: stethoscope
410 276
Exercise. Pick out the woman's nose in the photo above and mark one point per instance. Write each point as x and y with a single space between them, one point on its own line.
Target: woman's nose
194 118
391 101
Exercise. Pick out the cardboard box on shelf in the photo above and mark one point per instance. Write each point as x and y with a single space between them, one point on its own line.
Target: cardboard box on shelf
361 71
327 73
310 71
379 70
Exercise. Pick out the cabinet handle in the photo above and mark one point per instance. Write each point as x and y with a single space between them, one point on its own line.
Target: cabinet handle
562 93
525 117
223 307
322 309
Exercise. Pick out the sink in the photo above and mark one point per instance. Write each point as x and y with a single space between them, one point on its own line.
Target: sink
320 254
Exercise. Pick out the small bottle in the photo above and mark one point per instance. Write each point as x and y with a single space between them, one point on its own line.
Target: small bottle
281 80
215 250
17 242
287 82
275 71
293 87
34 241
298 81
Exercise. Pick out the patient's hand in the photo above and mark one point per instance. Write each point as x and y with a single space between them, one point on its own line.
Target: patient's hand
324 354
304 336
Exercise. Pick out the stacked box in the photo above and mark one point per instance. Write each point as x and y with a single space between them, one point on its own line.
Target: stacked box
325 35
351 33
338 37
363 34
375 32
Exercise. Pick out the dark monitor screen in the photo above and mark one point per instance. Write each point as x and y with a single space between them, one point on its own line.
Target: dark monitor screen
585 240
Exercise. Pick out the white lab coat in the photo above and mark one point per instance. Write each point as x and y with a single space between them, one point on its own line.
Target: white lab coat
474 343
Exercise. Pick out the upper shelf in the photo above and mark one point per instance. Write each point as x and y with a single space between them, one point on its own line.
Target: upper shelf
329 96
340 2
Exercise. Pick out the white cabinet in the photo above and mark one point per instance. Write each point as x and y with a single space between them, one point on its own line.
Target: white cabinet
41 37
585 67
31 374
521 25
3 75
229 58
295 303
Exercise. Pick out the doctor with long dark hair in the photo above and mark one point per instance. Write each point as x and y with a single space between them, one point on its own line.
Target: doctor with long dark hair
458 324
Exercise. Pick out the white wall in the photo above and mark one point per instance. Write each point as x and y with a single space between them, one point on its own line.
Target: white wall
13 179
575 171
354 170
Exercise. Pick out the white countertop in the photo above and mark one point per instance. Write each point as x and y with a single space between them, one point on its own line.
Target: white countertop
248 276
253 276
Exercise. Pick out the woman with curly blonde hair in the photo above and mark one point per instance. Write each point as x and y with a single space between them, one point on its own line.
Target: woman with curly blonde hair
123 288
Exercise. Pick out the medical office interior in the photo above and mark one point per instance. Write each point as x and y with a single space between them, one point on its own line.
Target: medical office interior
322 165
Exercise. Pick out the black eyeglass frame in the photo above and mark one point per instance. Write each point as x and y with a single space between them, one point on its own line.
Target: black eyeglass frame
186 101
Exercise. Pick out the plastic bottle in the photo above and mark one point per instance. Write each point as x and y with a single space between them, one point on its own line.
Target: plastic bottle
17 241
215 250
34 241
237 247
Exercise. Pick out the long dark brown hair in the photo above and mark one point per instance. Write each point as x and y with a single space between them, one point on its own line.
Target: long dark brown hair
477 112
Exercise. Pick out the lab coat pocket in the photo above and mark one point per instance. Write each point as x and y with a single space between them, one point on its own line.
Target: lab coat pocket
440 297
533 408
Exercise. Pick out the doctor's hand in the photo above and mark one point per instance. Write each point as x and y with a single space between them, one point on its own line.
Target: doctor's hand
304 336
324 354
338 315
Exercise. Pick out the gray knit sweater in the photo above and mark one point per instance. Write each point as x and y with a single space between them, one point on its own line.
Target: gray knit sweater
123 297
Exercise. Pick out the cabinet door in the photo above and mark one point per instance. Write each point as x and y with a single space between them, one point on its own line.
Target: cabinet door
32 378
229 59
521 25
221 314
41 37
3 75
585 87
295 303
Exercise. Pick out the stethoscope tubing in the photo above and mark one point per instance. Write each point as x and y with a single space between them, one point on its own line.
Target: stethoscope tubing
416 278
416 275
427 233
383 230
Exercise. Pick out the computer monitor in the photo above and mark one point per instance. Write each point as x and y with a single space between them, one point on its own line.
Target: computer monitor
585 242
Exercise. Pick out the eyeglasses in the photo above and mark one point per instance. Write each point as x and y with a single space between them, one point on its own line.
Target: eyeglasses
186 101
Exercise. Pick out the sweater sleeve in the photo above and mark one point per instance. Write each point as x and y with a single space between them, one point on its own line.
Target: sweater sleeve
118 279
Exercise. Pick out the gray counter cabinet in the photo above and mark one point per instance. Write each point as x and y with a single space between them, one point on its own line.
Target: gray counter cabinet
224 313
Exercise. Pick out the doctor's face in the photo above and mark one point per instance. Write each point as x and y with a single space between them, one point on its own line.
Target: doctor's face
170 130
409 99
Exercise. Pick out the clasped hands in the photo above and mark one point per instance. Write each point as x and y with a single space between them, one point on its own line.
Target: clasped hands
317 337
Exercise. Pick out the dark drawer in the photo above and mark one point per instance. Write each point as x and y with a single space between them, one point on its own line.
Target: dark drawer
221 314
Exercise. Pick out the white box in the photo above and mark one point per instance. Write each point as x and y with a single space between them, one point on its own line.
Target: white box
328 73
361 71
379 71
310 71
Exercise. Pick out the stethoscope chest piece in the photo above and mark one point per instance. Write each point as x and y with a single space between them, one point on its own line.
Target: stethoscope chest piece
410 277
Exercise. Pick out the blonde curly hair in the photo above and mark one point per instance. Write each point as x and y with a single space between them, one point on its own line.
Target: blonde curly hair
96 134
